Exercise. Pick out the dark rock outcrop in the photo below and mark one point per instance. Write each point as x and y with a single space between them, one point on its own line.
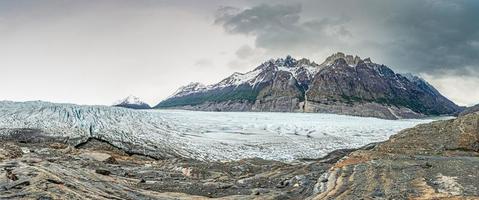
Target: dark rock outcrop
282 93
431 161
368 83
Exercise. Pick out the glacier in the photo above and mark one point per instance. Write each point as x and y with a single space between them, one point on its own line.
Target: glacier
201 135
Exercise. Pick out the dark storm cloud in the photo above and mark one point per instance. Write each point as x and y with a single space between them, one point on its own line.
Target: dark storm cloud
429 36
436 35
279 27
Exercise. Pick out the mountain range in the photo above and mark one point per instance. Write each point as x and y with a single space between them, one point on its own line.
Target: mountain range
342 84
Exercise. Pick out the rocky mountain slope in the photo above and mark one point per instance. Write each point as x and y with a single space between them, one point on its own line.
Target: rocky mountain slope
342 84
470 110
132 102
438 160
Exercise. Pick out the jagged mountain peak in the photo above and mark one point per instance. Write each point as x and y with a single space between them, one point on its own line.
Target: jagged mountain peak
350 59
290 64
367 60
287 61
305 61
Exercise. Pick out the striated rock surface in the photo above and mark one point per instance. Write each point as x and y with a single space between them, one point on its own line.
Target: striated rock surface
439 160
66 173
282 95
342 84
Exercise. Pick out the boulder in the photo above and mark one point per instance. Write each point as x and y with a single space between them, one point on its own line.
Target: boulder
100 157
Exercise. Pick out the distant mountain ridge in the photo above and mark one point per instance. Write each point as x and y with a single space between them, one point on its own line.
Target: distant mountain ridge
469 110
132 102
342 84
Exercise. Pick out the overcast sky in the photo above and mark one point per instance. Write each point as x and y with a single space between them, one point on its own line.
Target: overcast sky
96 52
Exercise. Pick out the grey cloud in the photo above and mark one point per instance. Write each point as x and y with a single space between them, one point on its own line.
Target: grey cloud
260 19
280 28
204 63
429 36
436 36
245 52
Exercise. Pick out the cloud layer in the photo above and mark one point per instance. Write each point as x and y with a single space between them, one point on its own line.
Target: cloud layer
430 36
279 28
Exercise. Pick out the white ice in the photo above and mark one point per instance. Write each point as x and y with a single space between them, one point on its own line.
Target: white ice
205 135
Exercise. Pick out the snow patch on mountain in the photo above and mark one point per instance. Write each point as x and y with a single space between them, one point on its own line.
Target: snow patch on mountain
188 89
237 79
131 102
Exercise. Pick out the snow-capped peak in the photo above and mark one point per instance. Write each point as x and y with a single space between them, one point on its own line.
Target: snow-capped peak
238 78
288 61
188 89
131 100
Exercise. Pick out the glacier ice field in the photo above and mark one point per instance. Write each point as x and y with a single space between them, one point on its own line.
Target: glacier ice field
203 135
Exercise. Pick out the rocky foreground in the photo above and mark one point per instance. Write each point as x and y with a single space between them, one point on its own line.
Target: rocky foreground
439 160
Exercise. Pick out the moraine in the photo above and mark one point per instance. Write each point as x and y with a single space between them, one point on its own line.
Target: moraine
201 135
